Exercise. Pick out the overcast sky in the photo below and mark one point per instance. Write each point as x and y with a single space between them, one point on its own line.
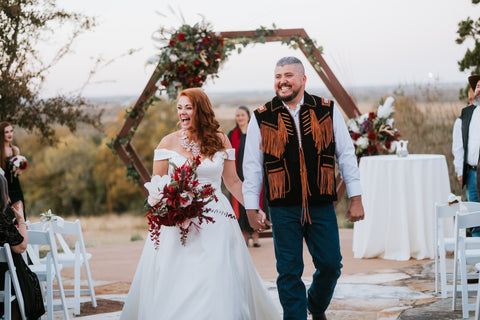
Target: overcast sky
369 42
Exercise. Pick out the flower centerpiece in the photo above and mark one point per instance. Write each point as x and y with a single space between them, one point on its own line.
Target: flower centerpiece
373 132
191 54
17 163
178 200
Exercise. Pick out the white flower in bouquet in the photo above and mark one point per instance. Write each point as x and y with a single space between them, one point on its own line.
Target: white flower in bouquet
186 199
155 188
353 125
362 142
19 160
386 110
173 58
363 117
389 122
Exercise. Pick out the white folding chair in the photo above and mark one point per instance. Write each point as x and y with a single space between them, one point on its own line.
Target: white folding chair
49 270
75 259
10 278
444 212
464 255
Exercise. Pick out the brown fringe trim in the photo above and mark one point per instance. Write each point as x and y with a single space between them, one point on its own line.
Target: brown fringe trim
322 133
305 188
276 184
327 185
274 141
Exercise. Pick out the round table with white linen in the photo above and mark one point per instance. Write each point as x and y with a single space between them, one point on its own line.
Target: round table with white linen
399 196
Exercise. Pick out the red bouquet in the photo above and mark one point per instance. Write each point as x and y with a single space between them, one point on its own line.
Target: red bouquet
17 163
178 200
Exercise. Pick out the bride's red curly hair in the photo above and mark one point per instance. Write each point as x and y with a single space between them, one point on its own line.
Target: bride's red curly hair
205 127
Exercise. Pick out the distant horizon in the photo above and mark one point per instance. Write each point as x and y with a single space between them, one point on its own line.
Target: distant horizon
445 85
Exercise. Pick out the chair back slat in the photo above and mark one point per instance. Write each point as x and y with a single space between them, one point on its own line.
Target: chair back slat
446 210
468 220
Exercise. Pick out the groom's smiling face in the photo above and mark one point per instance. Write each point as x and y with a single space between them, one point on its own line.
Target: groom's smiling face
289 81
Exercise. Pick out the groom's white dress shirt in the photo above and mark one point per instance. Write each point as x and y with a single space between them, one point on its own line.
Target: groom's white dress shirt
253 158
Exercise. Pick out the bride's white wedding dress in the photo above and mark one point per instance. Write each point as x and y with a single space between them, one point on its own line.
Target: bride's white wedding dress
212 277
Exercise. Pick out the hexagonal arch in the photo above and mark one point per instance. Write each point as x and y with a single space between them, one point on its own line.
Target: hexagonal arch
122 144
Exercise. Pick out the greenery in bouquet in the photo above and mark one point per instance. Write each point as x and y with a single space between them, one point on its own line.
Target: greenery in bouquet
178 200
190 54
373 133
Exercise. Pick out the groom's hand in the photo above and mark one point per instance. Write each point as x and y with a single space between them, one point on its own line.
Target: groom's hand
257 220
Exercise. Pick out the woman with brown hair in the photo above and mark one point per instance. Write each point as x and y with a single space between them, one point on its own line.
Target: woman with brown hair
7 152
212 276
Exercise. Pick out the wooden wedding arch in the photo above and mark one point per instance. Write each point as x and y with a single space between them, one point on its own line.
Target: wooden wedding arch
125 150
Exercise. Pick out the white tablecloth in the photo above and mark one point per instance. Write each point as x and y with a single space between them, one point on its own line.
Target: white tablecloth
399 196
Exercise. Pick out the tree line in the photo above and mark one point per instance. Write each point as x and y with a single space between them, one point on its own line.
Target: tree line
80 175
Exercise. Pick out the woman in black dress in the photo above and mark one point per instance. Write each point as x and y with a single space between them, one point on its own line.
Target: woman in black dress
16 237
8 151
237 139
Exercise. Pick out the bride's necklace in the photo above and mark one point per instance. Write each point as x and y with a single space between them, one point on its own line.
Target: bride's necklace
190 146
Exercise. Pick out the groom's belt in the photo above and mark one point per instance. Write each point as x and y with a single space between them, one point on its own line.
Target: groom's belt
474 168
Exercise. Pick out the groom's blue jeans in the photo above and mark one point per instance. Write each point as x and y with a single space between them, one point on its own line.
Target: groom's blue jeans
323 244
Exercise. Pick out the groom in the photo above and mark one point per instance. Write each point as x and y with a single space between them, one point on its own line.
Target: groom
294 141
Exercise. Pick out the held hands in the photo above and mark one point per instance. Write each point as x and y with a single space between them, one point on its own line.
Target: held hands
257 220
460 180
355 211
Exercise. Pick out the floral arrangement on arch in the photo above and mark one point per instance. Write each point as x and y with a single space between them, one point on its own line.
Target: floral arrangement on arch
191 54
373 133
178 200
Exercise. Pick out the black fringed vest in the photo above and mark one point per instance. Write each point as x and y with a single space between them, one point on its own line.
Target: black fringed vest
298 175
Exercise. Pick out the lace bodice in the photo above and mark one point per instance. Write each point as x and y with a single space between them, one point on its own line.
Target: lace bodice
210 170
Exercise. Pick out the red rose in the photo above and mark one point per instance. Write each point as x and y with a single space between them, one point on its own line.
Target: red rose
206 40
196 62
388 144
355 136
372 115
164 83
182 68
172 43
181 36
217 55
372 136
196 79
371 149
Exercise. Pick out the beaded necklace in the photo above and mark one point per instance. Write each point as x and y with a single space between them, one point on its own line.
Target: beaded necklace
190 146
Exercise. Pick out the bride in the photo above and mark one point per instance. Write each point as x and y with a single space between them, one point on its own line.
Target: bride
212 277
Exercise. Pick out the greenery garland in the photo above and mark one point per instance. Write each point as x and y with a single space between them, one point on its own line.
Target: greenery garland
191 54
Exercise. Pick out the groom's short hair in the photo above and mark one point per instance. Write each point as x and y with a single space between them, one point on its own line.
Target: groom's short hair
291 60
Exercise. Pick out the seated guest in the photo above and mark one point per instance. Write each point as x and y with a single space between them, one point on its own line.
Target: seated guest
16 237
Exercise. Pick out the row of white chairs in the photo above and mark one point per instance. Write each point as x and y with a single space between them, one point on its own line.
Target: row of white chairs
48 268
466 253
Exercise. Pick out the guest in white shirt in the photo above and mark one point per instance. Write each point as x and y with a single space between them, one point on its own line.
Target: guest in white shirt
466 145
294 141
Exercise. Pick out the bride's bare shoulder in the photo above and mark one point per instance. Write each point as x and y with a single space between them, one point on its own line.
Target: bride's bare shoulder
225 141
170 141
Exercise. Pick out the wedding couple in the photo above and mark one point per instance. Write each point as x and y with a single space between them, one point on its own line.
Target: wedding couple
293 141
